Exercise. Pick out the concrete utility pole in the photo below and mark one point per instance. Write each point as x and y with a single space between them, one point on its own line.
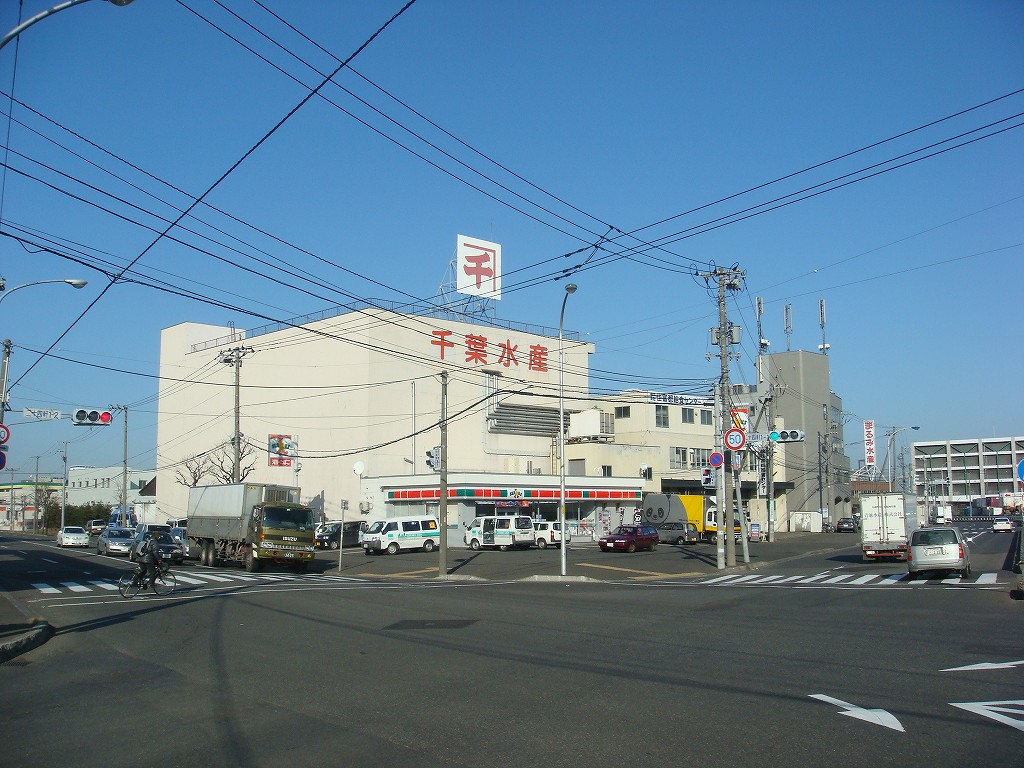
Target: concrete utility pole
728 279
234 357
442 499
3 378
124 465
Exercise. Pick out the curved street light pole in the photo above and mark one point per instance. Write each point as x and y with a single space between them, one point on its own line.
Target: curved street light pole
73 282
892 435
569 290
43 14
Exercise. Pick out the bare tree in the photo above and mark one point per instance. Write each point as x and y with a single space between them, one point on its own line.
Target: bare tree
192 470
222 462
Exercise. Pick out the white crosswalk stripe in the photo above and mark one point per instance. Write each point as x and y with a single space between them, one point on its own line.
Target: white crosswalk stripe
844 580
198 578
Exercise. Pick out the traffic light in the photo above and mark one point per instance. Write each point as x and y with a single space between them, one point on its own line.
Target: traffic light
787 436
707 477
434 458
91 417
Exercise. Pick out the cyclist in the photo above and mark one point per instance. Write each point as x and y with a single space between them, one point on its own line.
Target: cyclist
150 557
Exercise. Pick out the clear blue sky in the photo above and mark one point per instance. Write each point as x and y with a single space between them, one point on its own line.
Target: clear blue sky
655 118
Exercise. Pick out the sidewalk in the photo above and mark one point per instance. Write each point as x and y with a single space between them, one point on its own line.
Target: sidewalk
20 632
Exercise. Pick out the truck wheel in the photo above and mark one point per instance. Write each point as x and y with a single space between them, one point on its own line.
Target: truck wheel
252 564
428 546
393 548
474 544
542 543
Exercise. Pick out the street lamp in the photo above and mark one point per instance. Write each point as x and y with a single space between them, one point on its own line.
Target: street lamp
43 14
73 282
891 434
569 290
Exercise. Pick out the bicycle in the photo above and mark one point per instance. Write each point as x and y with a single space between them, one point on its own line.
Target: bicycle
133 582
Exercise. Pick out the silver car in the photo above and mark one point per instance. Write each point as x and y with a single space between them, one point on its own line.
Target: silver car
938 549
115 541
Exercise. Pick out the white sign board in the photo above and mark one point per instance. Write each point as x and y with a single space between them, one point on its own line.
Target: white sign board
869 443
478 268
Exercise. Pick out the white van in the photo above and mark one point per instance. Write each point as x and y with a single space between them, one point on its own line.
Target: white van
397 533
501 531
549 534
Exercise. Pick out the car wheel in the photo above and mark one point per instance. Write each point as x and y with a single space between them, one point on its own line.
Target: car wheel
503 548
631 547
334 545
542 543
654 546
680 541
428 546
393 548
474 544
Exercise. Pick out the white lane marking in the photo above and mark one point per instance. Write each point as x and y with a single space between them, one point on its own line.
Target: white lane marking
888 581
875 716
46 588
74 587
837 579
987 578
109 586
813 578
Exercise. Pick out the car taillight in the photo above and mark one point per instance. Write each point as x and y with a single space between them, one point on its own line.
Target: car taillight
961 546
910 554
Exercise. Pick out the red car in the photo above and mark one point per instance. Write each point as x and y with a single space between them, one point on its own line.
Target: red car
630 538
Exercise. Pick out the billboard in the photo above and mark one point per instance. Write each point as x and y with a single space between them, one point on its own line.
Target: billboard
282 449
869 443
478 268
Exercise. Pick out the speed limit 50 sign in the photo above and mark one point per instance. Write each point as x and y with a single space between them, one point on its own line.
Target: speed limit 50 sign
735 439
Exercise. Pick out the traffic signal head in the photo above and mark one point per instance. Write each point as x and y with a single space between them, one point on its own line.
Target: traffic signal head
707 477
787 436
434 458
91 417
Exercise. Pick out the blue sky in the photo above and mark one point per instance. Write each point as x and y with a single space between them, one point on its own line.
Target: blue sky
666 120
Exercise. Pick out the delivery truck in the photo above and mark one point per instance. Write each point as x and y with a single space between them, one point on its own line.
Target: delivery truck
661 508
251 524
885 526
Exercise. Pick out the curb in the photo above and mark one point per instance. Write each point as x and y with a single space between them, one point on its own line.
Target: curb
40 632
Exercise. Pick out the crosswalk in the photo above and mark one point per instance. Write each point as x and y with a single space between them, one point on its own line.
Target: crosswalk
193 579
832 579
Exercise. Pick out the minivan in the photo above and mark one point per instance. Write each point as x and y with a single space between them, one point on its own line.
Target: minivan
938 549
501 531
397 533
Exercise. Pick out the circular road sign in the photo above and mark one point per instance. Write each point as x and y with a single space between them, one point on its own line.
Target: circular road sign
716 459
5 433
735 439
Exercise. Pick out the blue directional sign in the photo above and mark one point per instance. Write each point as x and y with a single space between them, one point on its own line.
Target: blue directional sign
1020 470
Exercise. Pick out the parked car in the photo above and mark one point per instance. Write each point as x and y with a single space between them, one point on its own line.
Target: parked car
630 538
938 549
1001 523
846 525
73 536
548 533
328 536
180 535
678 533
96 527
169 548
115 541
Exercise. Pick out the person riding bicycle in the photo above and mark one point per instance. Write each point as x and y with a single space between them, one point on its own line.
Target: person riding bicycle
149 557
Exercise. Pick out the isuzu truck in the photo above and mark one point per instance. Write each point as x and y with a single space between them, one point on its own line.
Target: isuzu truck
252 524
885 526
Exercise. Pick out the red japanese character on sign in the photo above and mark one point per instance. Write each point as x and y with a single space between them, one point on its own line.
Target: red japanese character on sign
507 357
478 265
441 340
538 358
476 349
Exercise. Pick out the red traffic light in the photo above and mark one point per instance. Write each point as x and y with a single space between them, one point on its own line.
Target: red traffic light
91 417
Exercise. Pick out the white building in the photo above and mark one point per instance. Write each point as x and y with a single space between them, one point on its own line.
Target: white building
102 485
969 471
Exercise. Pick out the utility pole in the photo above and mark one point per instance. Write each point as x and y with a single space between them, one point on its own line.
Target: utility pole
442 500
64 496
124 465
234 357
3 378
728 279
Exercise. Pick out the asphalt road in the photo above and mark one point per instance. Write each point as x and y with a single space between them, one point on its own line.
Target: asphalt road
813 658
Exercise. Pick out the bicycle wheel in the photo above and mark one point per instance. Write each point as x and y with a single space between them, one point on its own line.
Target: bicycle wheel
164 583
128 586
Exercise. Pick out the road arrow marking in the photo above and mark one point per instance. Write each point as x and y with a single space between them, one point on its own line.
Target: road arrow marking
993 709
876 716
986 665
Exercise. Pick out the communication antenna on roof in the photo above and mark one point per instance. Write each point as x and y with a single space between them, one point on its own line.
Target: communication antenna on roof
823 347
787 320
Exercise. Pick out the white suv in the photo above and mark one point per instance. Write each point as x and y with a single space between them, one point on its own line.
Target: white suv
549 534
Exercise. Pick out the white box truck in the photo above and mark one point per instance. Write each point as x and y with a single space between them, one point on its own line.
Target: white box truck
885 526
250 523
